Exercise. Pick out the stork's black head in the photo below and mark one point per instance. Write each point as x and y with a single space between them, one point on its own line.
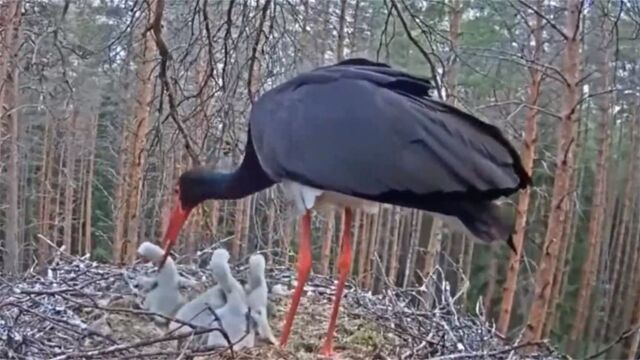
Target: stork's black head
192 185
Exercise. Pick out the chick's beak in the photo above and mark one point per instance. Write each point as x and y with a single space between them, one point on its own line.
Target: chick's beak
178 217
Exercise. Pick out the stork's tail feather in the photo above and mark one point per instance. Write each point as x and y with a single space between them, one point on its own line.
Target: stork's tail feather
484 221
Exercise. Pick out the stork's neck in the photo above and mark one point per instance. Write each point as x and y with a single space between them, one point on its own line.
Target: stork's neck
199 185
228 186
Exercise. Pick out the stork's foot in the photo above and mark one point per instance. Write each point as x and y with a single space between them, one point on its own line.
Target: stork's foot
327 348
327 353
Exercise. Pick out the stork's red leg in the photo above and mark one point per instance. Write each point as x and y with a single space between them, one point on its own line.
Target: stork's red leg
344 264
304 266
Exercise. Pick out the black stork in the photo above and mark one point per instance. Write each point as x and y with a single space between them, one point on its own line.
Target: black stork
355 133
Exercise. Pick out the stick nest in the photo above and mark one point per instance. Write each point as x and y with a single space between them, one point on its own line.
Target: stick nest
78 309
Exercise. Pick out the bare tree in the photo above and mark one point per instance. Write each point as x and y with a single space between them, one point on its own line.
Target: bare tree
590 264
564 170
125 243
9 121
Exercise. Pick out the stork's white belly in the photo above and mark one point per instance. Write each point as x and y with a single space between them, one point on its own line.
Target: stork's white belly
306 198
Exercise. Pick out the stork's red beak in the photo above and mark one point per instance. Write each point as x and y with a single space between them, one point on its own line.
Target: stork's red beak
179 216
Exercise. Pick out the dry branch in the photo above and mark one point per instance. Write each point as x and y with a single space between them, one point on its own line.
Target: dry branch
165 56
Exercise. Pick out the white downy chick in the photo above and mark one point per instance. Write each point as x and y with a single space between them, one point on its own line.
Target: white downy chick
198 312
233 315
257 297
163 295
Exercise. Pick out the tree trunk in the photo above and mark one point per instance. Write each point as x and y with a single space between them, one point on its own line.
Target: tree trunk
9 119
365 240
373 246
528 155
236 241
622 239
357 228
563 172
612 231
341 23
435 242
325 253
215 217
561 267
491 283
119 203
271 218
388 234
327 31
303 43
404 247
88 242
239 242
398 223
632 280
617 303
455 17
80 195
44 193
631 343
594 236
568 235
26 233
384 234
246 226
289 227
58 197
456 254
137 141
415 225
166 196
466 266
70 161
354 41
596 327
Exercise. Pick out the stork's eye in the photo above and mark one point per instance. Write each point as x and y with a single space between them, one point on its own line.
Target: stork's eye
176 190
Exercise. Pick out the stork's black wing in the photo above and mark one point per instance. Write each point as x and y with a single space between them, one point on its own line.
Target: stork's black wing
372 131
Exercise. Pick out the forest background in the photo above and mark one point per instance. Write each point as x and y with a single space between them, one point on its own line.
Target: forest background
104 103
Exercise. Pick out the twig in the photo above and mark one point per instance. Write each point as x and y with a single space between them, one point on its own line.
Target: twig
623 336
63 324
163 50
546 19
124 347
254 51
485 354
432 66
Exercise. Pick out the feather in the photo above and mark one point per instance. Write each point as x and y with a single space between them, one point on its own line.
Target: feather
374 133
